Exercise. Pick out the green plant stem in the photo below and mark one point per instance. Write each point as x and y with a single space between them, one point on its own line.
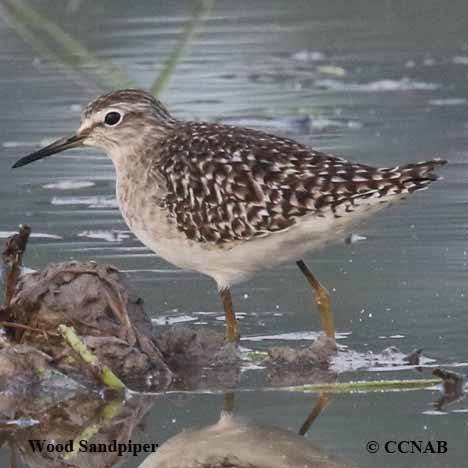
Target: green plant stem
104 373
27 19
183 43
364 386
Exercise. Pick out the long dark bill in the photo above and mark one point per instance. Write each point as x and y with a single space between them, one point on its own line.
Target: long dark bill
55 147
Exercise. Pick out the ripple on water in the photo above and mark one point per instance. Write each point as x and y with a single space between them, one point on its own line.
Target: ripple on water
26 144
300 124
91 202
42 235
171 320
404 84
293 336
447 102
69 185
107 235
460 60
434 413
308 56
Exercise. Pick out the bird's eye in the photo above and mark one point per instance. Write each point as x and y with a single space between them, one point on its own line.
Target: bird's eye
112 118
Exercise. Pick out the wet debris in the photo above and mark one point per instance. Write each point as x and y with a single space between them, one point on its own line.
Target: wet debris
287 366
199 357
23 361
12 259
391 357
93 299
316 355
453 387
414 357
323 354
452 381
184 347
98 303
354 238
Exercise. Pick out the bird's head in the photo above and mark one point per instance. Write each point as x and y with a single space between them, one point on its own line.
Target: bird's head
114 122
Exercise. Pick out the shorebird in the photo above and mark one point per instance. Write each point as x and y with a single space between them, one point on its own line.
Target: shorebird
228 201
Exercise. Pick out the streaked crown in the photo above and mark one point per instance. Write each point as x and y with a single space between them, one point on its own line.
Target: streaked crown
122 119
131 101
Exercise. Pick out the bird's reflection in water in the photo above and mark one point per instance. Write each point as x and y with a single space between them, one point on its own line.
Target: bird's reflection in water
236 442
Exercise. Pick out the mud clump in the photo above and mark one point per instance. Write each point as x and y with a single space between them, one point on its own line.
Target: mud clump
97 301
302 359
110 320
296 366
183 346
22 360
200 358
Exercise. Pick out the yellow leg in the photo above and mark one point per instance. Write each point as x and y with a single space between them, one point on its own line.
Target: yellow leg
322 299
319 406
228 402
232 328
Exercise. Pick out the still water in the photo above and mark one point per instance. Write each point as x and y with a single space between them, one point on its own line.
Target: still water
380 82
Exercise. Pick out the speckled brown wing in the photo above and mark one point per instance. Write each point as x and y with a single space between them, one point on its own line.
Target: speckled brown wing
229 183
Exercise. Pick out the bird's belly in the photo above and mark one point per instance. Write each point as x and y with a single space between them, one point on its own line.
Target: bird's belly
235 261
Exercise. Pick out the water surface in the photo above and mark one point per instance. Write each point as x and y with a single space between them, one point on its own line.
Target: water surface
380 82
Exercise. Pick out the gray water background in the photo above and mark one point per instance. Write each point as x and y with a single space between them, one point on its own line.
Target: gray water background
404 286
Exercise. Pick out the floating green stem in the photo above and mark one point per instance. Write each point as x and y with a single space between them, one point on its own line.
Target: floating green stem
364 386
104 373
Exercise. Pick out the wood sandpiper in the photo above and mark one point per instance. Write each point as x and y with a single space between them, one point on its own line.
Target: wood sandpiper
229 201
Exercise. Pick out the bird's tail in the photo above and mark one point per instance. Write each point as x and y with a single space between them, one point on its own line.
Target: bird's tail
379 186
417 176
392 183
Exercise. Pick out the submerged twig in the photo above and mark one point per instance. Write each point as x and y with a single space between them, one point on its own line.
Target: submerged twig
12 258
22 326
103 373
118 307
